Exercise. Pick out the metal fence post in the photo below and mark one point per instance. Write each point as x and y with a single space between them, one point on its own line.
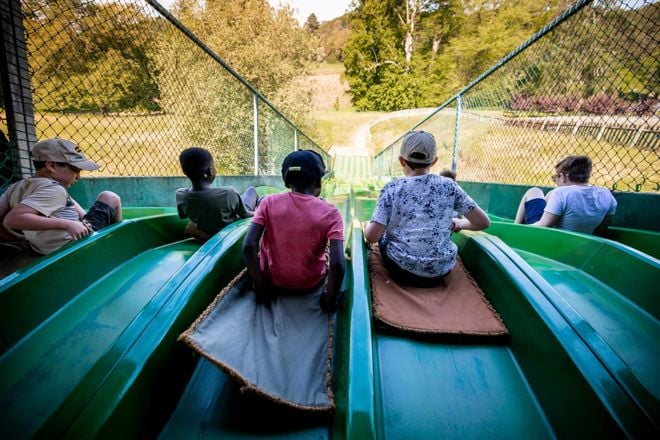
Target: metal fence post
16 84
295 139
454 159
255 105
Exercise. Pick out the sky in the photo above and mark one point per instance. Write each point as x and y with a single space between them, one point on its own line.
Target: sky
323 9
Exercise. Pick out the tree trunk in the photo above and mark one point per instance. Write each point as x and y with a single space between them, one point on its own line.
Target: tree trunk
412 9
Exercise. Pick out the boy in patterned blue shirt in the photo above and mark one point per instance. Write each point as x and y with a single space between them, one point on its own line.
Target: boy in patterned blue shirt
414 217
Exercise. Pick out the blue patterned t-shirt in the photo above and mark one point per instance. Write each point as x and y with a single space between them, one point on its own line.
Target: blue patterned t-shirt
417 213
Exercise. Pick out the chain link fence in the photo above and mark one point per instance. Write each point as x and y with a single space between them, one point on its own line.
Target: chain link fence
586 84
132 87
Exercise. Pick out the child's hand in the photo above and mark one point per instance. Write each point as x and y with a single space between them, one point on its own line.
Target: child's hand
456 225
330 303
77 230
262 288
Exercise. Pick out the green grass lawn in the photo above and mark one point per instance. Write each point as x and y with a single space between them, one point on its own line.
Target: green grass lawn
326 68
339 127
493 152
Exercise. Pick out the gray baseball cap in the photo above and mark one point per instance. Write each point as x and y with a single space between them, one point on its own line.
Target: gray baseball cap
61 150
419 147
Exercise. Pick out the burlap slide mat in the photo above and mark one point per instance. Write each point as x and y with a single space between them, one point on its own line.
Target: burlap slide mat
456 310
281 350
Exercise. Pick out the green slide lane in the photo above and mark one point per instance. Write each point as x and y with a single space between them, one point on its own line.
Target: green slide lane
212 405
40 368
647 242
89 343
608 293
547 376
454 392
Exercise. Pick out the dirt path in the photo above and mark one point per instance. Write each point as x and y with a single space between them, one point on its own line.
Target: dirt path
362 137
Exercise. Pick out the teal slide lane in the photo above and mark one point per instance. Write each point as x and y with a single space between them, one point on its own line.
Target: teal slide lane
607 292
647 242
52 377
49 363
567 389
136 398
426 390
212 406
41 289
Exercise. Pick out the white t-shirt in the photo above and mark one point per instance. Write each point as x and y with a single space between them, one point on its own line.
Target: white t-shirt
50 199
417 213
580 208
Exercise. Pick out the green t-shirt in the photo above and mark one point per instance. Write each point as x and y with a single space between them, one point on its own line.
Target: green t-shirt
211 209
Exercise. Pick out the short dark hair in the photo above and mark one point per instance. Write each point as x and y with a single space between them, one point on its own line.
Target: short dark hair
195 162
301 181
39 164
416 166
576 168
448 173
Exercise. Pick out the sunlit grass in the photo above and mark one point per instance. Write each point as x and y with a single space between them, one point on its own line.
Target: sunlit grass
339 127
148 145
493 152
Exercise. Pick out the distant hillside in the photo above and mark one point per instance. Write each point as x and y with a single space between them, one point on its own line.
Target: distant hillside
333 36
329 89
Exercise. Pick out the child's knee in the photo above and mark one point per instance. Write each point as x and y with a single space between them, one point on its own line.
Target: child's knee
110 199
533 193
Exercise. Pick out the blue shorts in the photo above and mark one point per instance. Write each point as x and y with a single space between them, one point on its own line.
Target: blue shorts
534 210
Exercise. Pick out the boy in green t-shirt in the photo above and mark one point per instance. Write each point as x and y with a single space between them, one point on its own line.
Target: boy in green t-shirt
209 209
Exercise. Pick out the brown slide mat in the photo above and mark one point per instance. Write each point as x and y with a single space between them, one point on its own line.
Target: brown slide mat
455 310
281 350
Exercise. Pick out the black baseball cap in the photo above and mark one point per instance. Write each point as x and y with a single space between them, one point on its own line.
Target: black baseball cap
307 162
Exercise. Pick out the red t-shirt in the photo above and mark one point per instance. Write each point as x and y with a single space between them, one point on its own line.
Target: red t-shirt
297 228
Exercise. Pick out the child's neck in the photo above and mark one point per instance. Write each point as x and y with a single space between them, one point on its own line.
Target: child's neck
306 191
43 172
200 186
409 172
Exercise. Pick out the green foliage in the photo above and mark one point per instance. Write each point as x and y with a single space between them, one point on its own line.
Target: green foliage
454 41
269 50
312 24
91 56
333 36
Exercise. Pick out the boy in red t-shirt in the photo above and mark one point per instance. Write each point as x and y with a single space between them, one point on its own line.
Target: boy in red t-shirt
294 229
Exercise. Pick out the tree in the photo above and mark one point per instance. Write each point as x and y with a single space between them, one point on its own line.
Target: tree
312 24
374 57
267 47
333 36
91 56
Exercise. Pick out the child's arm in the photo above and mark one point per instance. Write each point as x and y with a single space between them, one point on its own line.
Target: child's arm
475 220
330 298
601 229
373 231
179 210
5 234
547 220
26 218
251 257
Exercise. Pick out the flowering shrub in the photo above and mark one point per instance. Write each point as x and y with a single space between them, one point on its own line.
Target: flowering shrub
599 104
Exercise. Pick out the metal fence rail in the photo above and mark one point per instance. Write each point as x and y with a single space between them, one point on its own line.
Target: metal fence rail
587 83
131 85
